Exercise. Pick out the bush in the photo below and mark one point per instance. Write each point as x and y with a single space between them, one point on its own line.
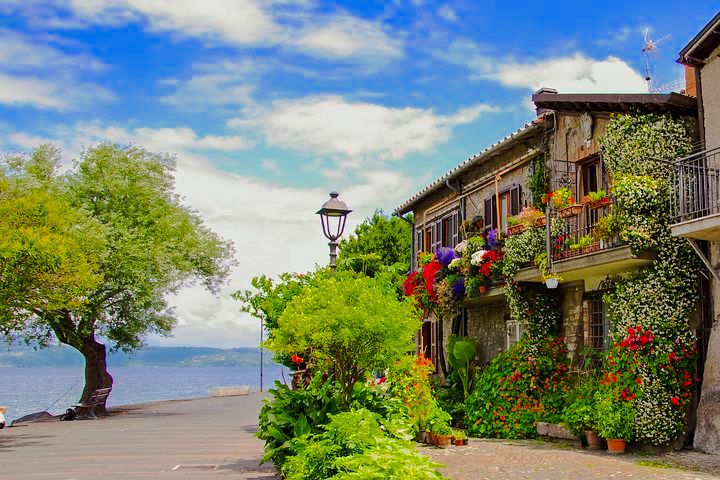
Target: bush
359 444
408 381
616 418
524 385
580 414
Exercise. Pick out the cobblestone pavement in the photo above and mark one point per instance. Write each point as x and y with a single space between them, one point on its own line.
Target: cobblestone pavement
527 459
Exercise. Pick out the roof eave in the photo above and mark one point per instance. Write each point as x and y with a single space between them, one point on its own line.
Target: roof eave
702 45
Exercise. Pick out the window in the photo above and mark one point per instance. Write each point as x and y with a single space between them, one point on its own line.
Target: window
598 323
593 177
514 332
427 341
440 232
509 206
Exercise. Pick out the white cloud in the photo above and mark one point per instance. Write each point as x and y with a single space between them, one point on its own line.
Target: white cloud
448 13
33 73
274 228
344 36
295 24
576 74
356 131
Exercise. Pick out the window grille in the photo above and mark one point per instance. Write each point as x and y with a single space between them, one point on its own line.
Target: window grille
599 325
514 332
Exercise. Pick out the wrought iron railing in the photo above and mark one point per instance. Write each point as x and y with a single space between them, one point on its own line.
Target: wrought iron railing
582 234
695 186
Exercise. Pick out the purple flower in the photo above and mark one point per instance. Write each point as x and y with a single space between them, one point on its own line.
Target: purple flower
459 287
491 238
445 256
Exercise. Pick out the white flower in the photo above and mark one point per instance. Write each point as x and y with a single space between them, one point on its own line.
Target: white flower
477 257
461 247
455 263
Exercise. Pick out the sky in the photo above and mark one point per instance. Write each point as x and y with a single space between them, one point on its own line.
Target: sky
270 104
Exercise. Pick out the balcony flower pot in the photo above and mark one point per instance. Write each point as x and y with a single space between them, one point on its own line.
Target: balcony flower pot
443 441
571 211
592 248
540 222
515 229
594 441
482 289
616 446
600 203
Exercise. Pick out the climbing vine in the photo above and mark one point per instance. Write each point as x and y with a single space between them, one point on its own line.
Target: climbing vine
539 182
650 311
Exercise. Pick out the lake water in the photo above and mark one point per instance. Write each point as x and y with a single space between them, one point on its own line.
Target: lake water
27 390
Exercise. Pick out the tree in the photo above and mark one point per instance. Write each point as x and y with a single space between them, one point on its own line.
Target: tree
49 250
153 245
349 325
380 244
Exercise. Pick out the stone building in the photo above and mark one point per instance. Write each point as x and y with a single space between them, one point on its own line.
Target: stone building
494 184
697 209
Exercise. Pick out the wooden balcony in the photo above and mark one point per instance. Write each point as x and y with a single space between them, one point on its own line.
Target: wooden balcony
695 196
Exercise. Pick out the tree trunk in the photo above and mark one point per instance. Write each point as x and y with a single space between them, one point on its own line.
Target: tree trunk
96 374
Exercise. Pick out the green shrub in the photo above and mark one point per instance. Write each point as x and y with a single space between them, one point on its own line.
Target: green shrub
524 385
616 418
580 414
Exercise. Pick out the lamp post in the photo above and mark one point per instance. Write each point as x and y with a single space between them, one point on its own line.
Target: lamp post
333 215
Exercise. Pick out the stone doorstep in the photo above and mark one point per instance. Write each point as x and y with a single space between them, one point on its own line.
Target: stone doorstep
230 391
556 433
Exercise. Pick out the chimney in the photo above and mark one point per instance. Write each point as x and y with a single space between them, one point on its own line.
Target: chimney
544 90
690 84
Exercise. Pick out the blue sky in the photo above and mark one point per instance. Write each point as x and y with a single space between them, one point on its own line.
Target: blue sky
269 104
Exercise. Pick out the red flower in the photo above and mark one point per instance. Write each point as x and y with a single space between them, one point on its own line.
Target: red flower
428 273
675 401
297 359
410 284
637 379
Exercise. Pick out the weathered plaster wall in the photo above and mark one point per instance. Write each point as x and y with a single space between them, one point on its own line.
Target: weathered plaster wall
710 81
487 325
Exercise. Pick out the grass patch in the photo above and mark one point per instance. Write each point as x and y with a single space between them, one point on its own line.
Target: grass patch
656 464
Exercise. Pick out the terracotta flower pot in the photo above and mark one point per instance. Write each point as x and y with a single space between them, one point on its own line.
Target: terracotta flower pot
443 441
616 446
482 289
516 229
594 441
540 222
433 438
570 211
459 442
603 202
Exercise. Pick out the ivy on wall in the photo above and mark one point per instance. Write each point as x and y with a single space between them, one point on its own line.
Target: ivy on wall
658 301
539 181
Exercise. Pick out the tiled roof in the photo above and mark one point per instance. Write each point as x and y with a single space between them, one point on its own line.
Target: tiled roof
469 163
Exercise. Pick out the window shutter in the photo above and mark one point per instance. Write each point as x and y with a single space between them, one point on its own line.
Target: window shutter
490 212
515 196
455 237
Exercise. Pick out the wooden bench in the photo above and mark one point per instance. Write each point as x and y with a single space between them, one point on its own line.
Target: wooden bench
97 397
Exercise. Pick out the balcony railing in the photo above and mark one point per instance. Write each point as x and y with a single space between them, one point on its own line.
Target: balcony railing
581 235
695 186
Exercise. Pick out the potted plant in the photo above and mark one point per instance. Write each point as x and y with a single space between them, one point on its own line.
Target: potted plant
597 199
606 230
564 202
615 419
460 438
552 280
580 415
443 435
515 226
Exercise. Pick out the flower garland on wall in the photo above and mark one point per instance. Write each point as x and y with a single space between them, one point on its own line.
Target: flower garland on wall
651 363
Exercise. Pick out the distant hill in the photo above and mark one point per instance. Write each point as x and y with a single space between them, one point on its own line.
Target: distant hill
21 356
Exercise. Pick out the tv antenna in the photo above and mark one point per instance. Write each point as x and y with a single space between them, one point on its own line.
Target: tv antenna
651 51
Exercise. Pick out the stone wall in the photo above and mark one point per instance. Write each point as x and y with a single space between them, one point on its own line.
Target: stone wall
487 325
573 319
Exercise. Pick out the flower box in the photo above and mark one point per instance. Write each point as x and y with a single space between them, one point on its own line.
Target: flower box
571 211
591 248
515 229
603 202
540 222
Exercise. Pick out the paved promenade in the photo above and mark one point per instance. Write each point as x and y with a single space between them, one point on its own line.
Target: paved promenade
189 439
528 459
212 438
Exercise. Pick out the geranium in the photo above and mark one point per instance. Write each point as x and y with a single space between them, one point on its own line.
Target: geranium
477 257
297 359
428 273
411 283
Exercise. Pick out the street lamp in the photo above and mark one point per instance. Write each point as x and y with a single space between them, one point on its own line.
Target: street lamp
332 217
